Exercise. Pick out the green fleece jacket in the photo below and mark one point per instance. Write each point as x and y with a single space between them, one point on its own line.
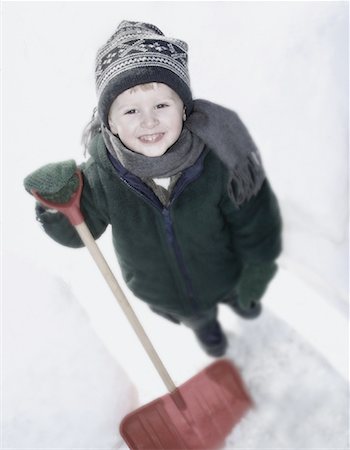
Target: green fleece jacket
182 258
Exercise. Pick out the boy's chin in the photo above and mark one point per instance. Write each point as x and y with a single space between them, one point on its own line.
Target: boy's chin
152 152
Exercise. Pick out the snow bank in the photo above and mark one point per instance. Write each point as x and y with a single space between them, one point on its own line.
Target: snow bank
61 387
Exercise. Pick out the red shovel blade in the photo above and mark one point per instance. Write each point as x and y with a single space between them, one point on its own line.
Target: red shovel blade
198 415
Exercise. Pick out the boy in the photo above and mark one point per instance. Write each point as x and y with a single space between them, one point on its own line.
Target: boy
193 217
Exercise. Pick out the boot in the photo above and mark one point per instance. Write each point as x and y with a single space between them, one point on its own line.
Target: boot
212 339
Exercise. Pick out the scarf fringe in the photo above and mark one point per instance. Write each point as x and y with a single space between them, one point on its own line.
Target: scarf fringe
246 179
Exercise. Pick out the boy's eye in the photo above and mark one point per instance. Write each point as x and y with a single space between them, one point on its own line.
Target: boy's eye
161 105
131 111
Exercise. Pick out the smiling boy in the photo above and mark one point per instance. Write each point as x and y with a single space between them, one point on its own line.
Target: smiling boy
194 220
148 119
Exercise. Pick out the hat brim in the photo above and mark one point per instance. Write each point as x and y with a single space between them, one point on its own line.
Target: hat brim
142 75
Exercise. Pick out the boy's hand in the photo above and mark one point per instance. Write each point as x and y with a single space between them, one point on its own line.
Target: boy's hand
253 283
55 182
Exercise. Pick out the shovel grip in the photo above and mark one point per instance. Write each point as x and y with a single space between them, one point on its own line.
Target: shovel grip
71 209
118 293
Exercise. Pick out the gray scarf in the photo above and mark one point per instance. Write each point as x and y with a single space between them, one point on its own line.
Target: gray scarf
178 157
223 132
210 125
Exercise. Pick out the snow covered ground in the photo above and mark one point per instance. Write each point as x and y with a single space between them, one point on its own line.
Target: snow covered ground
63 389
71 366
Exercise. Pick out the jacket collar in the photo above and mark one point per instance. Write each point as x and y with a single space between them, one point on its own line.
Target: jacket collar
187 176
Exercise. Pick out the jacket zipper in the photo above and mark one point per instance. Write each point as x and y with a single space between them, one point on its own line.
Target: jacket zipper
169 228
172 241
171 237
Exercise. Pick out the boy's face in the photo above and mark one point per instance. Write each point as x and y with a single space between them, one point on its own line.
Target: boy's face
147 121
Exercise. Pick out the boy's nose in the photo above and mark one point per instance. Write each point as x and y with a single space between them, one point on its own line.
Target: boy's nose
149 121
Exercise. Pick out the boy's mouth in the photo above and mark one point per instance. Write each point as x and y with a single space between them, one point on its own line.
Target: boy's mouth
151 138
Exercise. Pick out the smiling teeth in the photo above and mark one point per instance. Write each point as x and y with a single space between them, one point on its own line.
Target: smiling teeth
151 137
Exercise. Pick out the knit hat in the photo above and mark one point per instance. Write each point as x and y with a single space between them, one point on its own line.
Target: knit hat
139 53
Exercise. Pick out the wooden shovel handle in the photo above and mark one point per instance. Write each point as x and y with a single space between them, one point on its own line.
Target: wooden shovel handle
72 211
118 293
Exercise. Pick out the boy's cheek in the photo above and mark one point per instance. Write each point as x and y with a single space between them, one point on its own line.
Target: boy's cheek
113 128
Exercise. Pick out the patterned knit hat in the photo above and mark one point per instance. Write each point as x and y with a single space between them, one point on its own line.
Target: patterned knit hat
139 53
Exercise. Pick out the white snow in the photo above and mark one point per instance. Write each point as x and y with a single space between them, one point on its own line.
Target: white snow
61 387
71 365
300 402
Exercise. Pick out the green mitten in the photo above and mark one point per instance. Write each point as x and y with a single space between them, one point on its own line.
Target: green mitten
253 283
55 182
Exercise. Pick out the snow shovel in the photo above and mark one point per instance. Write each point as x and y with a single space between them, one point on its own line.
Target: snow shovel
200 413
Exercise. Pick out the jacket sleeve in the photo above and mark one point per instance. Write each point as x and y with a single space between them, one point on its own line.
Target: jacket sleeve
57 226
256 226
